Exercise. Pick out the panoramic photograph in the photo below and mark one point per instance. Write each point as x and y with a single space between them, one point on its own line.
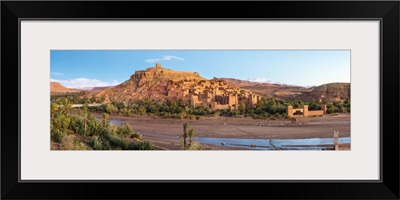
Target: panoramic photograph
184 100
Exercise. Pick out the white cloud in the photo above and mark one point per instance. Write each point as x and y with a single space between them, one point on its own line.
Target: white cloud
84 82
167 58
172 58
57 73
260 80
152 60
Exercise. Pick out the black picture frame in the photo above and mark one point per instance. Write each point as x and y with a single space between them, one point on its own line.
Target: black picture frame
386 11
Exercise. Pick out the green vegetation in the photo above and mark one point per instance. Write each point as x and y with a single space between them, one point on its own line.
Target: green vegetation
185 135
264 109
188 133
83 131
298 112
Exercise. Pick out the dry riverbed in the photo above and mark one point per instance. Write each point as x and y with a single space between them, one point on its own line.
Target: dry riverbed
164 133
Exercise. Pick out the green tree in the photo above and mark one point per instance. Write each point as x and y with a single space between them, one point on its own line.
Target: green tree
85 100
173 106
330 110
191 134
142 110
85 118
105 120
125 111
242 108
65 106
185 134
273 101
53 109
110 109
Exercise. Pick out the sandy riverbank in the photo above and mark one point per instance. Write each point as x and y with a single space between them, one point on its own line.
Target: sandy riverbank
165 132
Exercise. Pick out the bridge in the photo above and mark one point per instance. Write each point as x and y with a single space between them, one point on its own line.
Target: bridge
90 105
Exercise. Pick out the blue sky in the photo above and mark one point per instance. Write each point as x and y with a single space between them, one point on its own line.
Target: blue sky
88 68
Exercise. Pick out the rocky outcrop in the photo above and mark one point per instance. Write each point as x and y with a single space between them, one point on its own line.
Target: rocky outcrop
56 87
269 90
151 83
331 91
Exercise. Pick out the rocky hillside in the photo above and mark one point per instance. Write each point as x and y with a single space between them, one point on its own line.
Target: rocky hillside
56 87
280 91
98 88
151 83
331 91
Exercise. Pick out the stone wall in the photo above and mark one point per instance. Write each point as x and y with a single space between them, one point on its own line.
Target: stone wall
315 112
290 111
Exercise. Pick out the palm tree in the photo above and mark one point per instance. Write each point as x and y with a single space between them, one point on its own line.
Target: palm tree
85 117
185 133
105 119
65 106
53 109
191 134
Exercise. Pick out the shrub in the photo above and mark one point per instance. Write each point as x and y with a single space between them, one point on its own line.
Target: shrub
273 118
125 129
96 143
259 116
217 113
117 142
110 109
145 145
79 146
111 130
94 127
61 122
126 112
194 146
57 136
76 124
141 110
136 135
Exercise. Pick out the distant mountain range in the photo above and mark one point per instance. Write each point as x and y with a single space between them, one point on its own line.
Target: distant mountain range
93 88
153 83
56 87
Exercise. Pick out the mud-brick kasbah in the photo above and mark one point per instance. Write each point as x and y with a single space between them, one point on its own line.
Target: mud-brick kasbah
215 93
